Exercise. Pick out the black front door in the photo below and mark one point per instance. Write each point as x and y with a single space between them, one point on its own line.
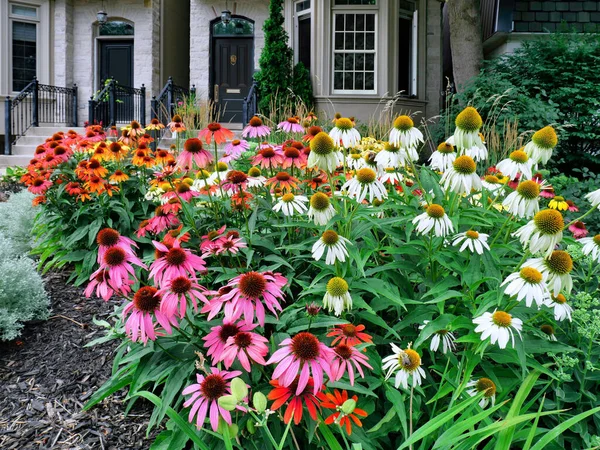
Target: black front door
232 68
116 61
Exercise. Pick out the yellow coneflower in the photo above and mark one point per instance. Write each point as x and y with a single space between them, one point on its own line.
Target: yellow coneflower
559 203
155 125
119 176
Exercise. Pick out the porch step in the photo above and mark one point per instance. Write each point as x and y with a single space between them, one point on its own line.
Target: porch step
47 131
14 160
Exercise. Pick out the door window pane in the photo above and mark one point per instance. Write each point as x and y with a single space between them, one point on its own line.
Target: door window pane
24 53
25 11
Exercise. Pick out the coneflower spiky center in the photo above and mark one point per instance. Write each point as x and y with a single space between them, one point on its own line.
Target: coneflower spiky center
336 287
549 221
560 262
213 127
472 234
252 285
409 360
545 138
465 165
243 339
366 175
255 122
193 145
349 330
486 385
146 299
254 172
114 256
343 351
445 148
403 123
344 123
175 256
531 275
529 189
180 285
291 152
330 237
287 198
228 330
305 346
435 211
519 156
320 201
237 177
322 144
469 120
596 239
108 237
282 176
502 319
213 387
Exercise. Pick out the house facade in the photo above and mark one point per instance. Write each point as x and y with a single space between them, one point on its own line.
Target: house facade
360 53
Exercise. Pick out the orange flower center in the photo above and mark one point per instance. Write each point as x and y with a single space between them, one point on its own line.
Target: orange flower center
146 299
305 346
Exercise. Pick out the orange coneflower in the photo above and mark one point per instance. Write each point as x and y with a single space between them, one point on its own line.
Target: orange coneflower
311 133
163 157
84 195
176 125
124 138
148 162
101 153
95 184
110 189
119 176
39 200
284 181
143 147
83 146
135 129
117 151
73 188
220 133
95 168
82 170
155 125
138 158
341 416
145 139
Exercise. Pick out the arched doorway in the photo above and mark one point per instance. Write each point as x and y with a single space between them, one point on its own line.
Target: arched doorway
231 66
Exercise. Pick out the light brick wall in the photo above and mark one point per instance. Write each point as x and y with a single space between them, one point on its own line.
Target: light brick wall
201 13
433 83
63 43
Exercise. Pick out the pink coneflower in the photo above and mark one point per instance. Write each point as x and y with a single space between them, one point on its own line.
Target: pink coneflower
101 284
291 125
349 334
302 353
143 228
246 347
108 237
236 147
208 240
39 186
176 125
205 397
194 152
248 293
145 306
216 131
281 394
173 205
119 265
161 221
175 262
267 158
182 191
283 181
230 244
347 358
236 181
255 128
578 229
293 156
176 293
217 338
572 206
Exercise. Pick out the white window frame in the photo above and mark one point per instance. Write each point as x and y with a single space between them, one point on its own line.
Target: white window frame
24 19
297 17
355 9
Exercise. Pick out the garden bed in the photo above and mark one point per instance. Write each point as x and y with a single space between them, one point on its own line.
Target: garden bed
48 374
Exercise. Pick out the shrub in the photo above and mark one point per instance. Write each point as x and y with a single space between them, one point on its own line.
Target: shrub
22 294
553 79
17 216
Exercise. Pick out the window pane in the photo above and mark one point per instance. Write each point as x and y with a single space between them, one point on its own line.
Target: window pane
339 41
116 28
369 61
339 62
355 2
304 47
339 22
26 11
24 53
349 62
369 81
370 22
360 22
302 6
349 22
348 81
237 27
349 41
360 41
370 41
338 80
359 80
359 61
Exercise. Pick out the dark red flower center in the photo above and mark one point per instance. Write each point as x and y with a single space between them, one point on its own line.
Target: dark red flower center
343 351
267 152
114 256
213 127
94 164
243 339
180 285
237 177
146 299
108 237
291 152
255 122
135 125
176 256
228 330
37 182
183 188
60 150
282 176
225 290
349 330
305 346
232 233
193 145
213 387
252 284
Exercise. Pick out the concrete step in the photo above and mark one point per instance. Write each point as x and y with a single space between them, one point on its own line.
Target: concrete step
47 131
23 150
32 140
14 160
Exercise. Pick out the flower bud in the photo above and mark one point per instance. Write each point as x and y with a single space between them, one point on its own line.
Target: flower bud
260 401
250 426
239 390
348 406
228 402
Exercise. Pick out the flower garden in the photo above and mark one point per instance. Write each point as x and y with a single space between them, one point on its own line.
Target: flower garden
304 286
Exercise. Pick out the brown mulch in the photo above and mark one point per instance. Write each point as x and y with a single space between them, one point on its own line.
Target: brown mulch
47 375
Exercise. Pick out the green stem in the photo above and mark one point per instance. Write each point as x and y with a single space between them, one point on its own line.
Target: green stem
284 437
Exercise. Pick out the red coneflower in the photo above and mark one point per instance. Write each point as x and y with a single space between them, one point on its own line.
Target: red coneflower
284 181
216 131
335 401
281 394
578 229
268 157
193 152
349 334
39 186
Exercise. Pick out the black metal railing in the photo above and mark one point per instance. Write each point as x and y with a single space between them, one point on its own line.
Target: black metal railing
117 104
38 103
163 106
250 104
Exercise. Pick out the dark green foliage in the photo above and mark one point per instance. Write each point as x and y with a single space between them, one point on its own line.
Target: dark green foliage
553 79
278 79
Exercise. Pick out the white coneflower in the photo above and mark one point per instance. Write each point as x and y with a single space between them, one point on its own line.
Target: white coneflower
323 153
498 326
562 310
255 178
472 240
462 177
517 163
485 385
337 296
365 183
478 152
528 284
594 198
523 202
335 246
543 232
445 337
391 176
344 134
404 134
542 143
443 157
591 247
220 172
466 135
405 363
291 204
369 160
203 180
548 330
557 270
355 160
492 183
321 210
434 218
391 156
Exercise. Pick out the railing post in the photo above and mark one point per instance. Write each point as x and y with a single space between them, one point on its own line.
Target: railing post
245 111
91 110
112 104
35 105
74 106
170 97
153 108
143 106
7 124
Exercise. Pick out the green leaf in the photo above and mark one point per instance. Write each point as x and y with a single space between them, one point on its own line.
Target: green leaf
328 436
113 385
562 427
